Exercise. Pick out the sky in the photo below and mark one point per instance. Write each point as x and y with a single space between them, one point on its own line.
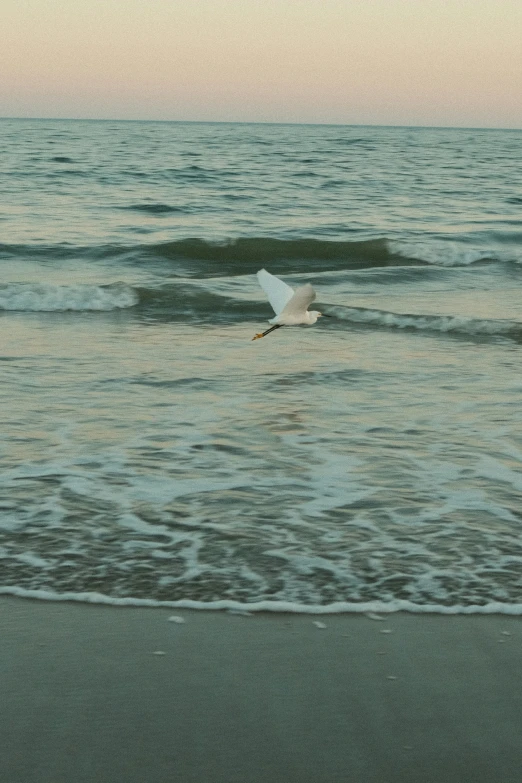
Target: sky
369 62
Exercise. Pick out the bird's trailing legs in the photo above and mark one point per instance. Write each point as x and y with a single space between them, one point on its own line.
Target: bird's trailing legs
263 334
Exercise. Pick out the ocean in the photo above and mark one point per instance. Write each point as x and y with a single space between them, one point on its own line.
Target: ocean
152 454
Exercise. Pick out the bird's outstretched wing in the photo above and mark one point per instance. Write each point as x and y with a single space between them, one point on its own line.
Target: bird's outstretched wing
279 293
300 301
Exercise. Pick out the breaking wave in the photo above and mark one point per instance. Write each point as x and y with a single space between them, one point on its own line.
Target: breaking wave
32 297
247 254
431 323
440 253
194 301
196 257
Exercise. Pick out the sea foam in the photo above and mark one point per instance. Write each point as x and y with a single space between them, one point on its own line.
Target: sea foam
442 253
44 297
340 607
430 323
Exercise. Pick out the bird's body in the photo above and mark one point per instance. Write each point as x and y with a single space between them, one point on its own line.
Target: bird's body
290 307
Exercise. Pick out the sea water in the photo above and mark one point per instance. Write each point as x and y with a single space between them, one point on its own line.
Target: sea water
152 453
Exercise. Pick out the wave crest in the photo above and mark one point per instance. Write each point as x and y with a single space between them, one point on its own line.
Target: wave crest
196 257
246 255
431 323
32 297
440 253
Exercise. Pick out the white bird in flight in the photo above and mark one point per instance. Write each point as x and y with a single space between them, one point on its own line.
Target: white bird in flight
290 307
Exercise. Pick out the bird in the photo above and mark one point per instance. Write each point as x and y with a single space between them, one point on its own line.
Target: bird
290 307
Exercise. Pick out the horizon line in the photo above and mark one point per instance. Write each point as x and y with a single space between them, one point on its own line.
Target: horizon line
265 122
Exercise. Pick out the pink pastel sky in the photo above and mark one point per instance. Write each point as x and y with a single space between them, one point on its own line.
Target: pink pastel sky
383 62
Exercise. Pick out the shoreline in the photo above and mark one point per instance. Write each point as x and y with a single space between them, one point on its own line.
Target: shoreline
96 693
386 608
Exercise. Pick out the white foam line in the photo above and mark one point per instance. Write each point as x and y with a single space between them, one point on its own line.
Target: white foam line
446 252
340 607
48 298
430 323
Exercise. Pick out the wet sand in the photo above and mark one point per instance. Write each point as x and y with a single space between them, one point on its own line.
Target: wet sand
93 694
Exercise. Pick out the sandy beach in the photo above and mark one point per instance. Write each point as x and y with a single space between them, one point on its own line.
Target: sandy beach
93 693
